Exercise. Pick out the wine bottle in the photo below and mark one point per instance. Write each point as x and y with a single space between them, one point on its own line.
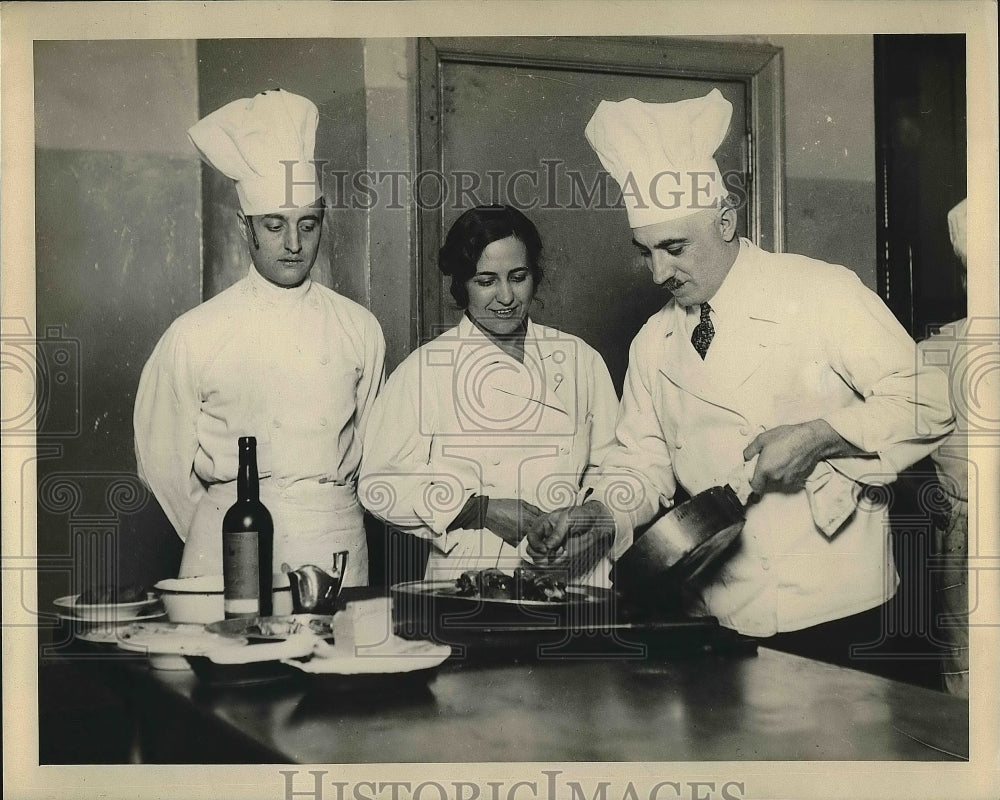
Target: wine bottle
247 543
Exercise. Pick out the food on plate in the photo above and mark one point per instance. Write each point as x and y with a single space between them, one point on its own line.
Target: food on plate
467 584
525 584
275 627
113 594
289 626
538 585
173 636
495 584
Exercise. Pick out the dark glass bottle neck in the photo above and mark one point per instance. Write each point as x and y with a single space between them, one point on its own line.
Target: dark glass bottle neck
247 486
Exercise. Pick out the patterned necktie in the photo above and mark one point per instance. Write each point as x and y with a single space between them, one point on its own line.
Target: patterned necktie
701 336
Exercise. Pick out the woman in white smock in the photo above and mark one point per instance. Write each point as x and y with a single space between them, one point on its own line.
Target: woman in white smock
493 422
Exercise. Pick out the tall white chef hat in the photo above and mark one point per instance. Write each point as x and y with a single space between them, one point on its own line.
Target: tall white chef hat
956 230
662 154
264 143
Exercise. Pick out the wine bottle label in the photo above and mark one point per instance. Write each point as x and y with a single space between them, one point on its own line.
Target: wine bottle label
241 608
241 581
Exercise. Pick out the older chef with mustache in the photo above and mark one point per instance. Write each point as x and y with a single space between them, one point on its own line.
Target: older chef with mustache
777 357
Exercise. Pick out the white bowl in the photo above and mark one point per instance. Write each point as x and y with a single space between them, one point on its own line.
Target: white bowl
200 599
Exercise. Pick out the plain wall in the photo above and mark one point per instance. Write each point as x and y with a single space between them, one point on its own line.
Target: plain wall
118 241
830 204
830 150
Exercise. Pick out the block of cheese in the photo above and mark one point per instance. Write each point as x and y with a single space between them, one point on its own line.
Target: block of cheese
363 623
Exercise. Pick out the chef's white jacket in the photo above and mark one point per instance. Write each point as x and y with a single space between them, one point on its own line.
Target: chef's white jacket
298 369
462 417
967 351
796 340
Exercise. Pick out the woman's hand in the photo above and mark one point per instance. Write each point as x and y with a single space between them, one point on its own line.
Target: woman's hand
573 538
511 519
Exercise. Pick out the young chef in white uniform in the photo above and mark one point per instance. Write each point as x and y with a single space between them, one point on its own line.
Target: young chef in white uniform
275 356
494 421
774 356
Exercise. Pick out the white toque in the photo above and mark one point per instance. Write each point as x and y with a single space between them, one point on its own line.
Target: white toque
264 143
662 154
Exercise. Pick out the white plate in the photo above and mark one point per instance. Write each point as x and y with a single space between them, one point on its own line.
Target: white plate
394 656
112 635
155 638
106 612
180 641
102 634
234 652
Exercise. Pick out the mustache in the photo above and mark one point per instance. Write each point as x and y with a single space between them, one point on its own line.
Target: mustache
672 284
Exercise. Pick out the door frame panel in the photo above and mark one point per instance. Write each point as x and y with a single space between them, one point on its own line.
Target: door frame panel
759 67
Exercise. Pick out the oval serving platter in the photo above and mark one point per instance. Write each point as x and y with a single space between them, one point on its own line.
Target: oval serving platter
575 595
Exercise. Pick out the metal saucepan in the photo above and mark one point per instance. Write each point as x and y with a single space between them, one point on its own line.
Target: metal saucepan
687 540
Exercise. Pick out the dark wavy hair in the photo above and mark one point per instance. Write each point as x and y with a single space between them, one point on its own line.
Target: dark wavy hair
473 232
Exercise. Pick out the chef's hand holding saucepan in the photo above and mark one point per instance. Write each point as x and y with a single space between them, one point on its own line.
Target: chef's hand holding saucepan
787 454
574 538
510 519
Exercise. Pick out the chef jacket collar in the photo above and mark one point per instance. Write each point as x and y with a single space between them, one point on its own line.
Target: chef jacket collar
730 298
468 329
532 340
751 315
538 347
741 296
263 289
516 337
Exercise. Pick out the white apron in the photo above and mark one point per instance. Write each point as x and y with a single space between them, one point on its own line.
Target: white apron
312 521
298 369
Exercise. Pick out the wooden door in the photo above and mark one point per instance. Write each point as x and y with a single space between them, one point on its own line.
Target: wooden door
504 122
